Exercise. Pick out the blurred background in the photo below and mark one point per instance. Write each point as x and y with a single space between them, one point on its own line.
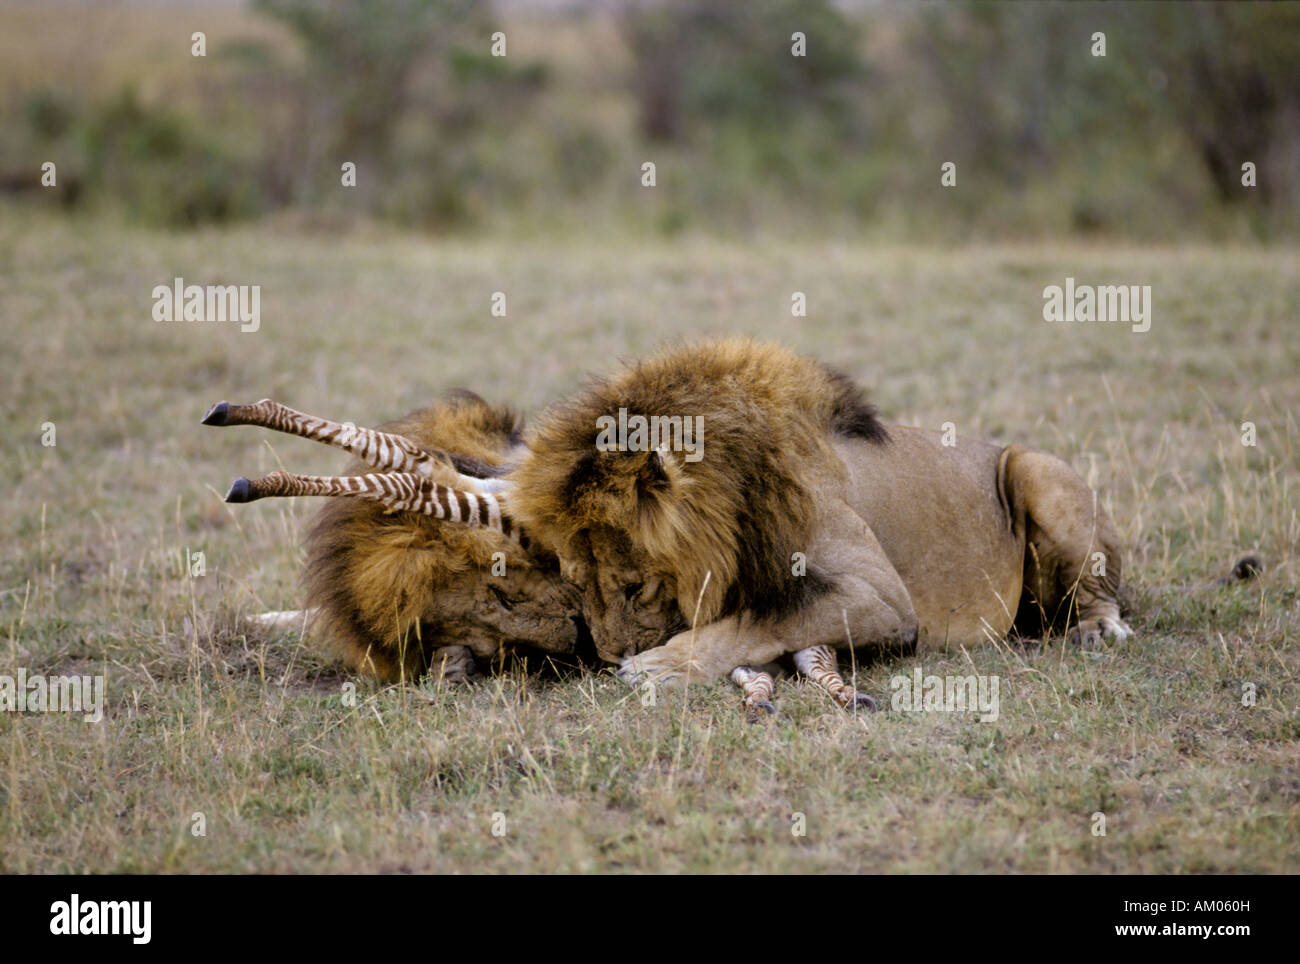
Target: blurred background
1145 143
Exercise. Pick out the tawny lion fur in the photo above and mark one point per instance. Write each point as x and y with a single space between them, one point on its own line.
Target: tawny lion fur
806 522
401 594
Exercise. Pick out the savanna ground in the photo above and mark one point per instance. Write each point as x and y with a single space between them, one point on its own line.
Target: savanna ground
208 714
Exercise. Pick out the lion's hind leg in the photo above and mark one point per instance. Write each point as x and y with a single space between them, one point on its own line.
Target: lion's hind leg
1072 555
819 664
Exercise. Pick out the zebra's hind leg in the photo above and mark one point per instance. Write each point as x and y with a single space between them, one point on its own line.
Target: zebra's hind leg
402 491
757 685
818 663
397 490
383 450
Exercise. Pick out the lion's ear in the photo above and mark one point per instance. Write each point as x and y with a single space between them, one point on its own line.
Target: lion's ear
657 473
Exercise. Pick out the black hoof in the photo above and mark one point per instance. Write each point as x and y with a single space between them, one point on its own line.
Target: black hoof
861 701
241 490
217 416
752 714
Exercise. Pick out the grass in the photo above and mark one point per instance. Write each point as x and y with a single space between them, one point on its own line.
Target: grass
206 714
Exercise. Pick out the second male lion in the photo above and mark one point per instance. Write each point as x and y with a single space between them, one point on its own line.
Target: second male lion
398 594
805 523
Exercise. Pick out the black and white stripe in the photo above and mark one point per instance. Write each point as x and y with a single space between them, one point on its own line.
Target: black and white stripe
403 491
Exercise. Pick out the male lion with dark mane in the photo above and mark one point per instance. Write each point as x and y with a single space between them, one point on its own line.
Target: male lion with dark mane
805 524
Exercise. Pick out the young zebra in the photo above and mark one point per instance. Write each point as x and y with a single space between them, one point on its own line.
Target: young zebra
401 593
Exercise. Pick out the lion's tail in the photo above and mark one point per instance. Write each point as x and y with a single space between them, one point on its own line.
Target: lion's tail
1246 568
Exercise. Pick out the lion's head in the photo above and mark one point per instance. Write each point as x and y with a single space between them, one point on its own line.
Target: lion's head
391 588
660 538
627 605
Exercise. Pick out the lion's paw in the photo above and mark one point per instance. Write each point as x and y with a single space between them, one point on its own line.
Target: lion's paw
1090 633
1116 630
654 665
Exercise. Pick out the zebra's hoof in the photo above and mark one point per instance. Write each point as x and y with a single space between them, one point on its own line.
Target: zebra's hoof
217 415
241 490
752 714
861 701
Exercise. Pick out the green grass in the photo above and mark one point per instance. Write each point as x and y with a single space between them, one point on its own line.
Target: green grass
206 714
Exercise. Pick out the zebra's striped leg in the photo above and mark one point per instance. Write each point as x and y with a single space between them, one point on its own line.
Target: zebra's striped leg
453 665
404 491
757 685
380 449
818 663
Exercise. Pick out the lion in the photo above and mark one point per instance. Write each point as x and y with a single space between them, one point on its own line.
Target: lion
805 524
403 589
398 595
